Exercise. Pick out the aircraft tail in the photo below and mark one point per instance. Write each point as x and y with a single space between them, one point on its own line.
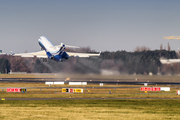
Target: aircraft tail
63 46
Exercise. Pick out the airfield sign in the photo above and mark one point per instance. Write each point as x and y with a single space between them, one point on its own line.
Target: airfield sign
155 88
150 88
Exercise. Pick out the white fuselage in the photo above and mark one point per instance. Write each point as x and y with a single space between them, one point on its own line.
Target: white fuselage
56 53
47 45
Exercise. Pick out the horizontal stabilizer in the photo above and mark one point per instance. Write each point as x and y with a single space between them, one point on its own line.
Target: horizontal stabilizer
69 46
72 54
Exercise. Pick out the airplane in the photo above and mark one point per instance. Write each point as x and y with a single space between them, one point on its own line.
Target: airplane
54 52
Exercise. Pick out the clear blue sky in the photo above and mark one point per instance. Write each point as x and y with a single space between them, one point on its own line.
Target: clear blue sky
101 24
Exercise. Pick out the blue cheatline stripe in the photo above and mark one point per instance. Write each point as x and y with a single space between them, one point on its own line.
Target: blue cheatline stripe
42 46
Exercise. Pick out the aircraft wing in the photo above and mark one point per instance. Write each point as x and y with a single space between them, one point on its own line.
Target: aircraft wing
40 54
72 54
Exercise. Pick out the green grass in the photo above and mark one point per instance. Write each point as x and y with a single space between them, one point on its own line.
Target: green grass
94 92
90 109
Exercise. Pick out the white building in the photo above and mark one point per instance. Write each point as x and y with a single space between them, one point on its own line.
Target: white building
2 53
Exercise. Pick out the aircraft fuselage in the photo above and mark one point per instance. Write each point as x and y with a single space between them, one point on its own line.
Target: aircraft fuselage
55 53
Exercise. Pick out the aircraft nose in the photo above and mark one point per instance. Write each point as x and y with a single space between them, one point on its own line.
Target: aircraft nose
39 39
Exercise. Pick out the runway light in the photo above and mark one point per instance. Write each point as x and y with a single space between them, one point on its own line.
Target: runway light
67 79
101 84
145 84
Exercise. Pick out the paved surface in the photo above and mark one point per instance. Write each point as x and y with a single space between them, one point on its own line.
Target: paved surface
92 81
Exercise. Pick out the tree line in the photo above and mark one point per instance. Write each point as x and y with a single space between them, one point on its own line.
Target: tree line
138 62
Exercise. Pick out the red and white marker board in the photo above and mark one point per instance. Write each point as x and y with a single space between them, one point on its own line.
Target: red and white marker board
150 88
71 90
155 88
13 90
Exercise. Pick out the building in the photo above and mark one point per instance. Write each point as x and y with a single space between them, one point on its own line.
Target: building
2 53
169 61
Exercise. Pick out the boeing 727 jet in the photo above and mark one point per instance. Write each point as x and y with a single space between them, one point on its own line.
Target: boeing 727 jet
53 52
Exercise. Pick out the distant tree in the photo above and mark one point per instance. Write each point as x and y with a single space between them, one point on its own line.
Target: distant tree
142 61
108 64
161 47
19 64
169 48
39 67
4 65
143 48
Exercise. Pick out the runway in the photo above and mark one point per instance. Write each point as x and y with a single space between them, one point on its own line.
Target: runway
89 98
90 81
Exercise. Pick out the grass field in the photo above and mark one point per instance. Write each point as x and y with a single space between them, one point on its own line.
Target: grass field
90 109
55 91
